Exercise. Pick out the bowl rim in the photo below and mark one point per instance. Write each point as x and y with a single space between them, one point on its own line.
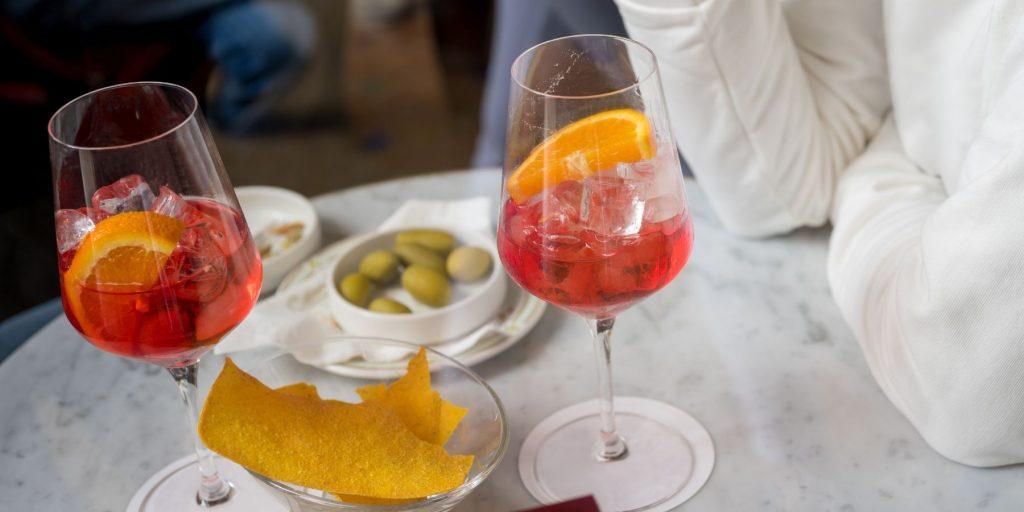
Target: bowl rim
309 216
465 487
497 273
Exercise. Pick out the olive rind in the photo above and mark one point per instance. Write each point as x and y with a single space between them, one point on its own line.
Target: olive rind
356 288
414 254
434 239
380 266
468 264
390 306
427 285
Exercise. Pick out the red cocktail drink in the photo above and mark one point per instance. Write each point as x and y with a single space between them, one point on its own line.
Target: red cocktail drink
591 246
180 303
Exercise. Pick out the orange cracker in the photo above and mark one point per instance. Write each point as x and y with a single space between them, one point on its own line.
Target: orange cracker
352 449
422 409
364 500
299 389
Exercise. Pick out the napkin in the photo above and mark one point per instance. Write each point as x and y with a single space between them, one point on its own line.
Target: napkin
295 319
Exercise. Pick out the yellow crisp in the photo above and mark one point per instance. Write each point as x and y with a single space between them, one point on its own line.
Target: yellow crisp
300 389
365 500
372 392
351 449
432 418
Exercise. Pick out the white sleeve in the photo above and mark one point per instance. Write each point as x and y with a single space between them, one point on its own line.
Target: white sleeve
768 101
932 287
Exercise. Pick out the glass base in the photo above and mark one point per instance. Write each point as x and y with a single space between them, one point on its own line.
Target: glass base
173 489
670 457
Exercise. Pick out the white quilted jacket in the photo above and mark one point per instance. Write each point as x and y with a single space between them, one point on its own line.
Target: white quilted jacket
902 122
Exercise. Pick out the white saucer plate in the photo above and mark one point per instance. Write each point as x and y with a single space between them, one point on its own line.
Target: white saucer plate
518 314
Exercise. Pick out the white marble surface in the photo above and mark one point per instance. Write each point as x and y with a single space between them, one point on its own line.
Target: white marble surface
746 339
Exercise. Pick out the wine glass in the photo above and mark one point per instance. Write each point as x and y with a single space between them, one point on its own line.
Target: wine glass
156 261
593 220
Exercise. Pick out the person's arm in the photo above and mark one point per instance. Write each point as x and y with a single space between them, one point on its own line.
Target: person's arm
768 102
933 288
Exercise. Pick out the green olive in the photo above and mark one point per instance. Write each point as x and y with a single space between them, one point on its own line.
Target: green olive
356 288
427 285
380 266
413 254
468 264
386 305
433 239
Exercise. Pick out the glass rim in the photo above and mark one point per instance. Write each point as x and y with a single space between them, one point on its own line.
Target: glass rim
465 487
191 115
625 40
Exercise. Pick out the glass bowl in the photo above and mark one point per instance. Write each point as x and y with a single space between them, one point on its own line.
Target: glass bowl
483 432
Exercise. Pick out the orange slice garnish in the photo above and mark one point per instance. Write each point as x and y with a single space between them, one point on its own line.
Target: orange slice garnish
124 253
582 148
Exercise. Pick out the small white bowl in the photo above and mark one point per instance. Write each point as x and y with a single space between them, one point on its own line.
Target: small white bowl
472 304
266 206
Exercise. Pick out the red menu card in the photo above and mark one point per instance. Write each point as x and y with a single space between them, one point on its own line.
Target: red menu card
585 504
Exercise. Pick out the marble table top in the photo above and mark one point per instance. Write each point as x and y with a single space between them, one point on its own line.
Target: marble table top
747 340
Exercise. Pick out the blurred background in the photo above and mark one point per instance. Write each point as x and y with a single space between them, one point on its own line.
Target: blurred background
311 95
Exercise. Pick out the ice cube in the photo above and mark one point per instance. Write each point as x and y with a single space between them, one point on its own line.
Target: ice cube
520 231
557 217
654 177
198 267
562 204
72 226
664 207
564 243
171 204
611 206
127 194
636 171
94 214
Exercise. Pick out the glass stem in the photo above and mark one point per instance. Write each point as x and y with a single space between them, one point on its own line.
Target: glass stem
611 445
212 489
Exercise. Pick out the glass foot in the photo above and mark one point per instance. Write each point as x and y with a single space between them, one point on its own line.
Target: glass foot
173 489
227 490
670 457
